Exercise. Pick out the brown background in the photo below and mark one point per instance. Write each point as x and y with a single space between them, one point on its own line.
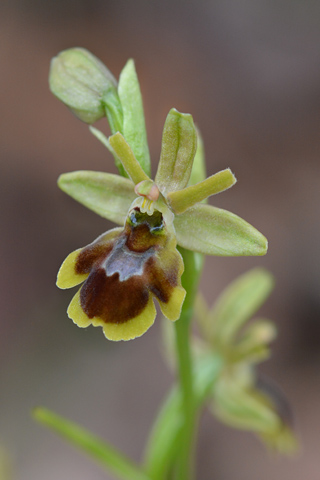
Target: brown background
249 72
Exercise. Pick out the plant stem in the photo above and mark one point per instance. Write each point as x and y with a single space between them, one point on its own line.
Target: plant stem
164 441
185 462
185 466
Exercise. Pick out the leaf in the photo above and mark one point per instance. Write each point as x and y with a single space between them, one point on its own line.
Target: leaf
179 144
134 128
110 458
214 231
106 194
165 436
163 442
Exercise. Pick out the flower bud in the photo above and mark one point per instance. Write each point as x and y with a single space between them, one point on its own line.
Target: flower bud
83 83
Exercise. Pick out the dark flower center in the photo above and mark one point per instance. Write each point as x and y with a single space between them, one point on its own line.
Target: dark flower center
154 222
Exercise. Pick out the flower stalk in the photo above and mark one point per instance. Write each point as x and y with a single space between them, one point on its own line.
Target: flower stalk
190 280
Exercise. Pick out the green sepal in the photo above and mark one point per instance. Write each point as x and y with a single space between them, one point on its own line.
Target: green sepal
106 194
99 450
179 145
125 154
182 200
247 408
134 127
198 172
243 408
80 80
214 231
104 140
241 299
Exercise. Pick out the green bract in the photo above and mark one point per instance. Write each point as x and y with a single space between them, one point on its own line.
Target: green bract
134 129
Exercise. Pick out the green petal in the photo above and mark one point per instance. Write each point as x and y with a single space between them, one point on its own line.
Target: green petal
106 194
182 200
179 144
134 128
126 156
238 303
214 231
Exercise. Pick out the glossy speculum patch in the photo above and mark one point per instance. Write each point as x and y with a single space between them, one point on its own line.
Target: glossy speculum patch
125 270
154 222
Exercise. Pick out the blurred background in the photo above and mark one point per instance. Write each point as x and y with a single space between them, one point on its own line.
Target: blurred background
249 72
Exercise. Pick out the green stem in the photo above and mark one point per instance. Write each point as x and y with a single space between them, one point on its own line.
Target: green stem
163 444
185 462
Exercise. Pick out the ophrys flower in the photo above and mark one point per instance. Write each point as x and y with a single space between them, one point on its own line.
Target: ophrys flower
124 269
